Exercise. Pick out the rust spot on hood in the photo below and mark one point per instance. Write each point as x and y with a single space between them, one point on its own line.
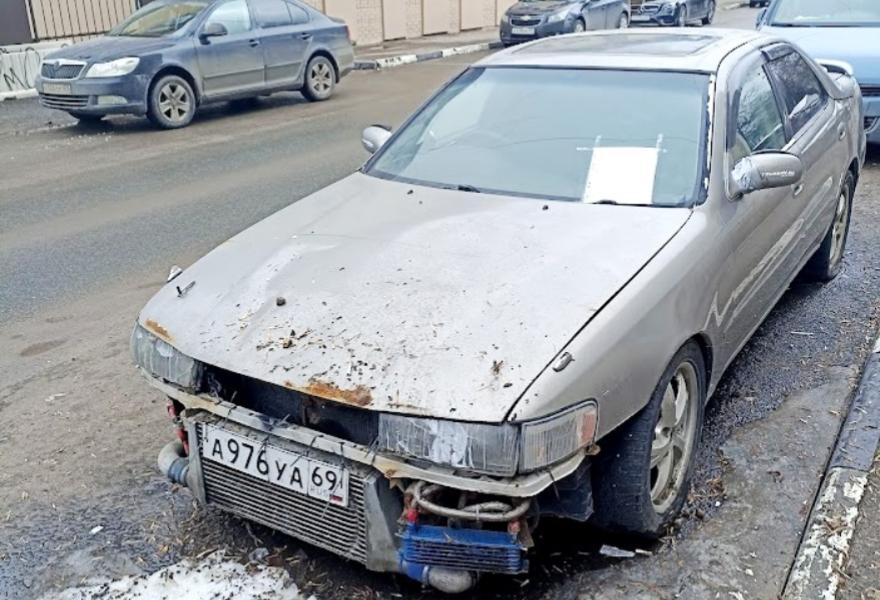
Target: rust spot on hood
158 330
359 396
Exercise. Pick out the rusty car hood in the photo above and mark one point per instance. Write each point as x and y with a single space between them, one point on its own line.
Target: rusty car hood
407 299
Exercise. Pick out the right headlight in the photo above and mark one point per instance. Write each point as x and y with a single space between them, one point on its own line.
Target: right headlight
163 361
501 450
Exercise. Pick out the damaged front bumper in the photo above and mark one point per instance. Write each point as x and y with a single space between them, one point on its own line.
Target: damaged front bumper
432 524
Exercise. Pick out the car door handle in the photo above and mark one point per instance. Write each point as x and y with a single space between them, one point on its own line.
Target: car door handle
841 131
305 36
798 190
253 43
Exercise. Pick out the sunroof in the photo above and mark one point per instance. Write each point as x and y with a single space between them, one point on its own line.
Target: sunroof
664 44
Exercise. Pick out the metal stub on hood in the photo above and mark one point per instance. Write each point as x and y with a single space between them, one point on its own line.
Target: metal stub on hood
563 361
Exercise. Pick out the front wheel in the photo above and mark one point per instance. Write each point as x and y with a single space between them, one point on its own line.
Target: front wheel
172 103
623 21
827 262
580 26
710 14
643 472
320 79
681 16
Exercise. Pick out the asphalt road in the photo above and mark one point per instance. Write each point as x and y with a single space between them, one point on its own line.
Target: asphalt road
91 218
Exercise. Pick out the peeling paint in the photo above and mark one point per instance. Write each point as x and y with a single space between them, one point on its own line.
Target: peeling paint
359 396
158 330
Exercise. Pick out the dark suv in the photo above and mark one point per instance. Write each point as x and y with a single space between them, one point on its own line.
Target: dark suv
173 55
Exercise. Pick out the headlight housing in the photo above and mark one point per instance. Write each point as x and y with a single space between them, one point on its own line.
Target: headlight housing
161 360
559 16
114 68
501 450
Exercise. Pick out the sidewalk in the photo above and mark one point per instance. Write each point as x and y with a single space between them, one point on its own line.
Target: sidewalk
429 47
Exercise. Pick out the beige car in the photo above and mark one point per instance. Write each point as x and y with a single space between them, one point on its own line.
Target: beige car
517 308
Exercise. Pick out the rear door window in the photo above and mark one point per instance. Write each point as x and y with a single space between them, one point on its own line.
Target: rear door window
271 13
297 14
759 123
802 92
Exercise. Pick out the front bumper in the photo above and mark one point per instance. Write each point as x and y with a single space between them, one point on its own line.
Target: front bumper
541 30
382 490
100 96
652 18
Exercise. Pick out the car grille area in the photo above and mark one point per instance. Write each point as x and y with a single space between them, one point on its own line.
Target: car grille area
53 71
463 549
526 21
341 530
60 102
870 91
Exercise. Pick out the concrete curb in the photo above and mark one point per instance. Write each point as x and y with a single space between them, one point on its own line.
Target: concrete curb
375 64
19 95
818 566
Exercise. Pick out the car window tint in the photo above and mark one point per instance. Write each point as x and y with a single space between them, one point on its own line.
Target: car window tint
759 124
297 14
802 92
271 13
234 16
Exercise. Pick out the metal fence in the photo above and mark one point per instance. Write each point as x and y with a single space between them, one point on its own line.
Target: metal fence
76 19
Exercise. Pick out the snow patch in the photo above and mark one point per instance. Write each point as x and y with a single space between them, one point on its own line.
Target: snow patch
210 578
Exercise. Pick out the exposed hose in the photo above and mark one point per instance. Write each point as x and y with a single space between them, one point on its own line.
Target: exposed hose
448 581
489 512
173 463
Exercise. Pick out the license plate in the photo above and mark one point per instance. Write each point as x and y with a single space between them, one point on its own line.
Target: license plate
60 89
523 31
277 466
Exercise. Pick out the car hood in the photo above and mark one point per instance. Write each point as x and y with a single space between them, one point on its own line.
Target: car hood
537 8
407 299
111 47
854 45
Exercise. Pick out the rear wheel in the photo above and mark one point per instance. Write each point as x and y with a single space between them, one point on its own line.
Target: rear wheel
642 474
320 79
172 102
623 21
710 14
827 262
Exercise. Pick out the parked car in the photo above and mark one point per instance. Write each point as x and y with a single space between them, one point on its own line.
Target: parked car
678 13
532 19
842 30
500 317
172 56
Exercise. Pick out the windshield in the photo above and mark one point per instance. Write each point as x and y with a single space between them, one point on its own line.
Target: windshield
628 137
825 13
158 19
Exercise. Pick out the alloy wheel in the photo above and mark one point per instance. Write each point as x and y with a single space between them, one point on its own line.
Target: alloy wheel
579 26
681 18
623 23
175 103
674 433
838 230
321 78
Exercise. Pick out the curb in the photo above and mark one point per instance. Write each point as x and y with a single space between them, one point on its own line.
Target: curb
19 95
376 64
818 566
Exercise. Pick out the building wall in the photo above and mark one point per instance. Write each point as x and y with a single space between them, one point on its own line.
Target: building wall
370 21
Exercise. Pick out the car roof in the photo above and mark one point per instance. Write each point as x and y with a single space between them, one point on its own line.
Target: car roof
642 49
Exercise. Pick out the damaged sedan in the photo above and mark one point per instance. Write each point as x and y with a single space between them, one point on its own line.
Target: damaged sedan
517 309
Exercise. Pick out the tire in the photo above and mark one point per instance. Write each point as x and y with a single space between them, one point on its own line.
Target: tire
628 492
172 102
623 21
86 117
681 16
320 79
827 262
580 26
710 15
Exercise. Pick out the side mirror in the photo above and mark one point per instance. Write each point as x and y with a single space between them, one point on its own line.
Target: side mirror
763 172
760 20
374 137
213 30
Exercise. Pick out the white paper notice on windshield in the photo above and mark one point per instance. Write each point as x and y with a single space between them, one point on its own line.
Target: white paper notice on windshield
622 175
